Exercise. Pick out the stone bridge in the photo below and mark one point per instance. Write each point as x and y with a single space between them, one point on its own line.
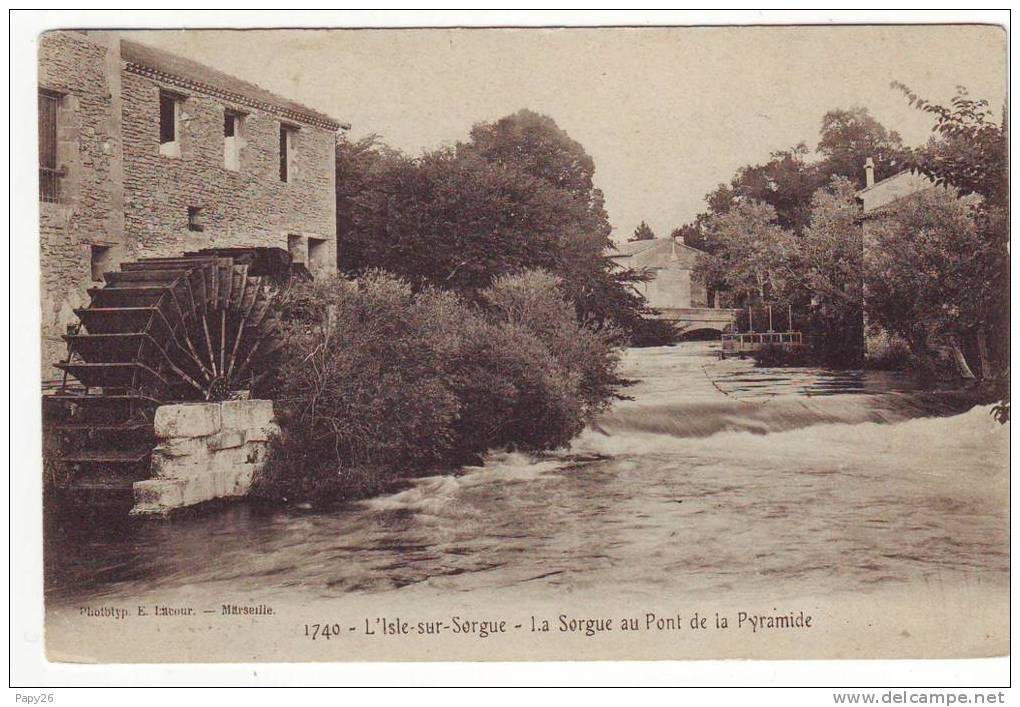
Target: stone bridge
694 318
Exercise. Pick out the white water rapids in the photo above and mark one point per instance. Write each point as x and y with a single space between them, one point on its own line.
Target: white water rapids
715 478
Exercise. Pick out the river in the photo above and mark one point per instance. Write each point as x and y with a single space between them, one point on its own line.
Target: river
714 479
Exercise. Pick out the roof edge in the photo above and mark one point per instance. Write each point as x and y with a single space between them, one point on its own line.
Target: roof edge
890 178
151 72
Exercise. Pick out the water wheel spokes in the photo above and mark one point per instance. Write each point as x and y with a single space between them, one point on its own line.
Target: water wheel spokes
187 328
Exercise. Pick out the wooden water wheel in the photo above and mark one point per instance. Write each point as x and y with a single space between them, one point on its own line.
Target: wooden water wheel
200 327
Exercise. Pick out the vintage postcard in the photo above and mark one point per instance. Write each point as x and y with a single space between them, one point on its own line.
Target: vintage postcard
479 344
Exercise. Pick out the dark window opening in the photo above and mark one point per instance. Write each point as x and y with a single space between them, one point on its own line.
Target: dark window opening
99 261
167 117
195 221
284 140
317 253
49 173
233 139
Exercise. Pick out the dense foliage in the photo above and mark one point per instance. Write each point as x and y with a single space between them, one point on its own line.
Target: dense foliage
752 256
969 152
518 195
830 251
923 271
792 209
787 233
384 383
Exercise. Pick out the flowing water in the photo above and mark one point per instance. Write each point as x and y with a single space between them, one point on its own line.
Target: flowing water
715 477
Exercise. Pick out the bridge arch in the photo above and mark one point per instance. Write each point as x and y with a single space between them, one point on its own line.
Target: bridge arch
689 319
701 332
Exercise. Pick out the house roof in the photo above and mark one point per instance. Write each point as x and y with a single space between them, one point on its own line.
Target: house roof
899 176
185 73
892 189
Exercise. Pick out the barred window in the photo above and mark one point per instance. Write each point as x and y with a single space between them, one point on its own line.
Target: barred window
49 170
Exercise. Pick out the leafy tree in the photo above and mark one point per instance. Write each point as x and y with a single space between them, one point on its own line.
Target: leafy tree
601 290
789 179
786 182
969 150
536 144
752 255
452 222
851 136
831 258
642 233
926 271
519 196
359 165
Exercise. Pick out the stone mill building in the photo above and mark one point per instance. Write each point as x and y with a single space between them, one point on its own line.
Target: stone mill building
143 153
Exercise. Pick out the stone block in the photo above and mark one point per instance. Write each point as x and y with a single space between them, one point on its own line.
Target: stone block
242 478
159 493
227 458
183 447
162 467
247 414
262 434
225 439
208 451
256 452
200 488
188 420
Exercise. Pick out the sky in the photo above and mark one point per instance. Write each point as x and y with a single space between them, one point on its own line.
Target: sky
666 113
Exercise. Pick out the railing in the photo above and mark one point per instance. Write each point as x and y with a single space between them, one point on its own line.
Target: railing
752 341
49 184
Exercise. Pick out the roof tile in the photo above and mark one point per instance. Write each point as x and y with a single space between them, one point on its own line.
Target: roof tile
169 66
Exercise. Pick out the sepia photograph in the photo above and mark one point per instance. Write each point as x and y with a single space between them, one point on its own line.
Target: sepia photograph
523 343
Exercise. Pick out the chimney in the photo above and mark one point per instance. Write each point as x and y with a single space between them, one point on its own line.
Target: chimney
869 172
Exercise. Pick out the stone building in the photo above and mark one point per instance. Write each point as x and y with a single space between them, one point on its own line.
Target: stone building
674 290
144 153
877 195
673 285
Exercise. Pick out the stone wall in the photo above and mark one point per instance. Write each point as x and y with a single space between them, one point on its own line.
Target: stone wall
74 67
206 451
120 199
249 206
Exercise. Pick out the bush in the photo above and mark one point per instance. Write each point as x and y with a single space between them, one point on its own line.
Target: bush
887 352
359 389
513 391
533 301
381 384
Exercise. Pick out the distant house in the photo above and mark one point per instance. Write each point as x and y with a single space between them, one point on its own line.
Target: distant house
143 153
876 196
875 200
674 290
